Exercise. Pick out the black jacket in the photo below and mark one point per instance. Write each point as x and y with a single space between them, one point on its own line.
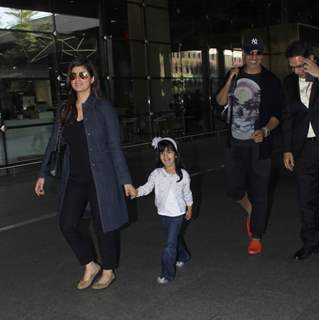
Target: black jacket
296 115
271 105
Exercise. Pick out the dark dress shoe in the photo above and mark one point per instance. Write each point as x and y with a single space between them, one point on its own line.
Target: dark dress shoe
302 254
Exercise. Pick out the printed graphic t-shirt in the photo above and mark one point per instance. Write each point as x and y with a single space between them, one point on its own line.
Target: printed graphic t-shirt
246 102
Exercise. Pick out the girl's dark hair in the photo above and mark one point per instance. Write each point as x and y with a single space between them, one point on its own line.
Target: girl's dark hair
178 163
69 112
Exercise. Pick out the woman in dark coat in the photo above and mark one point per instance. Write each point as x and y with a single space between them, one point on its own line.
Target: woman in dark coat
94 172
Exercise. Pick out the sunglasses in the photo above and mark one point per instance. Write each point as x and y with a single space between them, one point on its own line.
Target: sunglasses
82 75
256 52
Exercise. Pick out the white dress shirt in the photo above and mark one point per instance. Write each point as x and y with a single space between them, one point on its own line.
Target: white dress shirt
171 197
305 91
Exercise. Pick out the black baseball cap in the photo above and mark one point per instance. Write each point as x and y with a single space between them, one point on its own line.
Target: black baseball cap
253 43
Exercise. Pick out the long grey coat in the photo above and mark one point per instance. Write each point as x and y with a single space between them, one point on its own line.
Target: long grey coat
108 165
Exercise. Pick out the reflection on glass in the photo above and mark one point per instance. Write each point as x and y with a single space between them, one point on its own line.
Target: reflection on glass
27 143
168 117
160 60
196 111
233 58
25 70
135 21
132 106
158 3
160 19
237 58
25 20
213 62
2 154
77 37
67 24
228 58
187 64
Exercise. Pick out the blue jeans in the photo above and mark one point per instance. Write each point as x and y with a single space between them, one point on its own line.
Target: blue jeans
175 249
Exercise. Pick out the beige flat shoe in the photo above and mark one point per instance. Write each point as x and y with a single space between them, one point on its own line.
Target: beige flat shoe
85 284
102 285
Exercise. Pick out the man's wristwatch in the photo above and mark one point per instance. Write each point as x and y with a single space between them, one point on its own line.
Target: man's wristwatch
266 131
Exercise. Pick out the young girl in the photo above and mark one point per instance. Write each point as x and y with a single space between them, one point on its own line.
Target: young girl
172 197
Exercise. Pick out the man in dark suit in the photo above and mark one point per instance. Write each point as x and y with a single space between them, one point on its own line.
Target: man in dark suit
301 139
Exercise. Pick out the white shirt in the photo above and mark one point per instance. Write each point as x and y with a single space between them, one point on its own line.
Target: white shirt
305 91
171 197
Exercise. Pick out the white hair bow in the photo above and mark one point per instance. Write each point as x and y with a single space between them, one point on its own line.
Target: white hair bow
156 141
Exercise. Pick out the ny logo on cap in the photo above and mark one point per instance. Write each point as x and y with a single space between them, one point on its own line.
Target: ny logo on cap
254 41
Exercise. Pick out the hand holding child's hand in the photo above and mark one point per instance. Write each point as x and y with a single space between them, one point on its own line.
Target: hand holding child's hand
189 213
130 191
135 194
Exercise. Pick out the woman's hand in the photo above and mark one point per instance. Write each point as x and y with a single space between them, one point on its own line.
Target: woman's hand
130 191
39 187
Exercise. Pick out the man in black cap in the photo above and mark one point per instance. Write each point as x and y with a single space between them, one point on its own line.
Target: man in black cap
254 98
300 139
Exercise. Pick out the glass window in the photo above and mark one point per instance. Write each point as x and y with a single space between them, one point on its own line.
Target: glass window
168 116
158 3
160 19
120 19
25 20
67 24
26 76
27 143
2 155
161 95
213 62
126 52
131 102
136 22
176 66
77 37
160 60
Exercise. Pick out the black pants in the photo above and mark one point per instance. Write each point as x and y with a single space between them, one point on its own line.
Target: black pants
77 195
246 173
307 173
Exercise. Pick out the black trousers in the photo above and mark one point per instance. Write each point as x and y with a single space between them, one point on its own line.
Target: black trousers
307 173
246 173
77 195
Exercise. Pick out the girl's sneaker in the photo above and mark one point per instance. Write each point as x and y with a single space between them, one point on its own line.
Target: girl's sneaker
162 280
180 264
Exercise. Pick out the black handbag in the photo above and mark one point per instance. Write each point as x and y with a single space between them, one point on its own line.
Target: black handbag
56 156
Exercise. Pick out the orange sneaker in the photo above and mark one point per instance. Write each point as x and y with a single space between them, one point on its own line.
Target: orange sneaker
255 246
248 226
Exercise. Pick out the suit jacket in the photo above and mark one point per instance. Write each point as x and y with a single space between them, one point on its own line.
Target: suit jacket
296 116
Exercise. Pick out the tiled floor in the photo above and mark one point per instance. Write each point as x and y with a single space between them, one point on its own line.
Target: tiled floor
221 282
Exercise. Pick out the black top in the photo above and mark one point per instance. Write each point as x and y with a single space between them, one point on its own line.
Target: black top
74 135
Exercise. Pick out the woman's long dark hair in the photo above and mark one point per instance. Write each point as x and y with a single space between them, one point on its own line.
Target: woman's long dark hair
69 112
178 163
